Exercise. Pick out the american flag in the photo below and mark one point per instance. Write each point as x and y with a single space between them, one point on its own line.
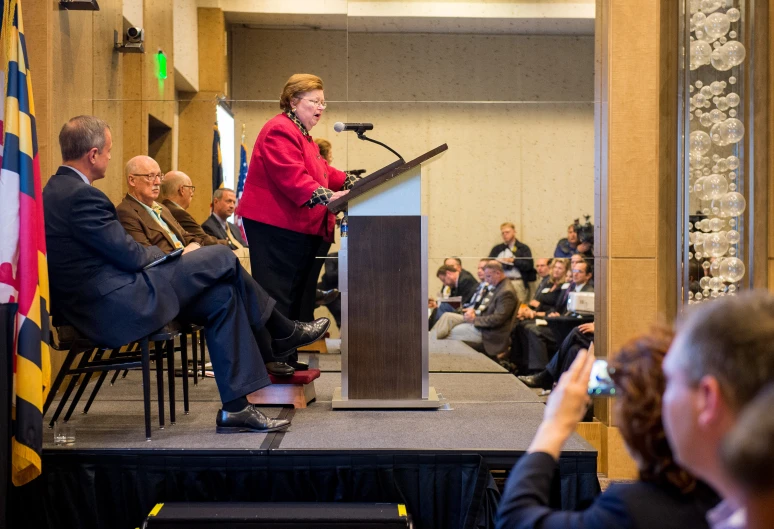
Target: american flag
241 183
23 267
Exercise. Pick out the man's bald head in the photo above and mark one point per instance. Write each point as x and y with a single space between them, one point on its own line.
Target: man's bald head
178 188
144 177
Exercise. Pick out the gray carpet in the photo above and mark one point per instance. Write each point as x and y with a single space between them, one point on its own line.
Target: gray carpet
446 356
507 426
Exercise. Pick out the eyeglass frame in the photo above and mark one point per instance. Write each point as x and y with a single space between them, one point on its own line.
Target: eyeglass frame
193 188
316 102
160 176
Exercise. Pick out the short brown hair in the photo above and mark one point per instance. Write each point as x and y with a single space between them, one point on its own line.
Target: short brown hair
509 224
80 135
640 383
298 83
443 269
731 339
324 146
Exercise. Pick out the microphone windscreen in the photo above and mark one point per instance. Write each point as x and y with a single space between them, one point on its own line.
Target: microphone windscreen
338 126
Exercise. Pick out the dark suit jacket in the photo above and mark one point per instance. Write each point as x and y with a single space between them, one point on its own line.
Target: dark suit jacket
523 261
96 270
561 305
190 225
636 505
466 286
213 227
495 321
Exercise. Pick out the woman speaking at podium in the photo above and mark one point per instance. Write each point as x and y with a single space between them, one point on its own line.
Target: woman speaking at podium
284 202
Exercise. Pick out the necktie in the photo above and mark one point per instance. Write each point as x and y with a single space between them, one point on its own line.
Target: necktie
235 243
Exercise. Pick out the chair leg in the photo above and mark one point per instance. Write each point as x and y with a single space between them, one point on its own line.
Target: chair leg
70 387
195 355
170 348
115 377
71 354
184 359
126 372
145 347
160 380
204 356
113 354
85 379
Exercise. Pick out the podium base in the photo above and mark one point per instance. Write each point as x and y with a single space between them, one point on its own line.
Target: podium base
431 403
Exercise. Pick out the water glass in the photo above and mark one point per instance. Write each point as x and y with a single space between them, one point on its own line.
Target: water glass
64 433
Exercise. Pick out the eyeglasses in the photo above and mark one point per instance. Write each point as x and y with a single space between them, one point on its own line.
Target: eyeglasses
150 177
193 188
316 102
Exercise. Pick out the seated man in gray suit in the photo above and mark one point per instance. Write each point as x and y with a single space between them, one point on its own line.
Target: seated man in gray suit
489 332
223 205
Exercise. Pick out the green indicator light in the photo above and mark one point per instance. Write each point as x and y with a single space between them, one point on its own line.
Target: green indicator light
161 65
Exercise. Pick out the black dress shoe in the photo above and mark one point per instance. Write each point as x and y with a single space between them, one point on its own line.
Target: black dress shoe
542 380
303 334
323 297
247 420
279 369
299 366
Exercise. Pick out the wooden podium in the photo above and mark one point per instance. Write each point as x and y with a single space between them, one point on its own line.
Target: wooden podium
383 283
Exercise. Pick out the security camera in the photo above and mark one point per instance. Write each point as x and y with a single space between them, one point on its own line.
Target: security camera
134 35
133 41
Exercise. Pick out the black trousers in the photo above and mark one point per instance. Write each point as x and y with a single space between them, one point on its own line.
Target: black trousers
215 291
567 352
530 344
282 261
309 296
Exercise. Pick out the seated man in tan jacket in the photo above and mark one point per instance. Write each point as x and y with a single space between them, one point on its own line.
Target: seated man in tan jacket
147 221
177 191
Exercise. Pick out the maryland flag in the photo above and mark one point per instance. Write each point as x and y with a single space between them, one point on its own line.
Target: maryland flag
23 268
217 161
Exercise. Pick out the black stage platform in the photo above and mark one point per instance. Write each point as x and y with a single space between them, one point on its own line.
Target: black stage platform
436 462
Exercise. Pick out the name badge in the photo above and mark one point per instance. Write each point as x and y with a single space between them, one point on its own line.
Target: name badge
545 290
565 286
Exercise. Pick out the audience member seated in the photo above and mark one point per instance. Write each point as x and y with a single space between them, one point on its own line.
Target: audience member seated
567 247
516 258
543 270
147 221
579 338
459 286
177 191
223 204
665 496
100 284
582 281
528 329
748 457
721 358
478 302
489 331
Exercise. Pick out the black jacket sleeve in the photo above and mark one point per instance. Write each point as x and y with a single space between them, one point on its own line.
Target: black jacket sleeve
525 501
524 263
466 287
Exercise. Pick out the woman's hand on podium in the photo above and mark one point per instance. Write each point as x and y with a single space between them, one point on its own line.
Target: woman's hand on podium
338 194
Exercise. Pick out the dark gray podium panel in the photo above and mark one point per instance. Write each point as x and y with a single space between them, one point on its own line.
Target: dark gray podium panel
385 307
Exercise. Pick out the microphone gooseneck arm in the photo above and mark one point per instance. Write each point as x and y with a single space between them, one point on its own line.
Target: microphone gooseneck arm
361 135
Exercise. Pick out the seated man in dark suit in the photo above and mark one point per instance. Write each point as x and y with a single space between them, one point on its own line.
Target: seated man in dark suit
223 205
463 286
99 283
176 194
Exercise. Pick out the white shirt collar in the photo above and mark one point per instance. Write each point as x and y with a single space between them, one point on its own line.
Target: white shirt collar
578 288
83 176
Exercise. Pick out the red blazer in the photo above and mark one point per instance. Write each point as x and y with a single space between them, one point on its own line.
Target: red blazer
285 169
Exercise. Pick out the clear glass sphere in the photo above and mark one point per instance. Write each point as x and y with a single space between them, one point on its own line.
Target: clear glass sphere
731 288
732 175
732 187
733 14
733 236
716 284
717 224
731 131
732 223
732 269
732 113
715 244
733 99
713 186
735 52
698 296
705 120
732 204
722 104
722 166
704 282
717 25
715 135
716 116
732 251
700 142
720 61
715 268
731 34
716 87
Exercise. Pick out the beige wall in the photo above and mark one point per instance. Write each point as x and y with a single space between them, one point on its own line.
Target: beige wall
517 113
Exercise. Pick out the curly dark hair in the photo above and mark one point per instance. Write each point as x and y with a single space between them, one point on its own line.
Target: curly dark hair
639 379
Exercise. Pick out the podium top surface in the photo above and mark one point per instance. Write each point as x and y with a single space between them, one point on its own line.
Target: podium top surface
381 176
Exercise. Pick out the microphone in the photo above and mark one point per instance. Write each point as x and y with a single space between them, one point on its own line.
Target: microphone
356 127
